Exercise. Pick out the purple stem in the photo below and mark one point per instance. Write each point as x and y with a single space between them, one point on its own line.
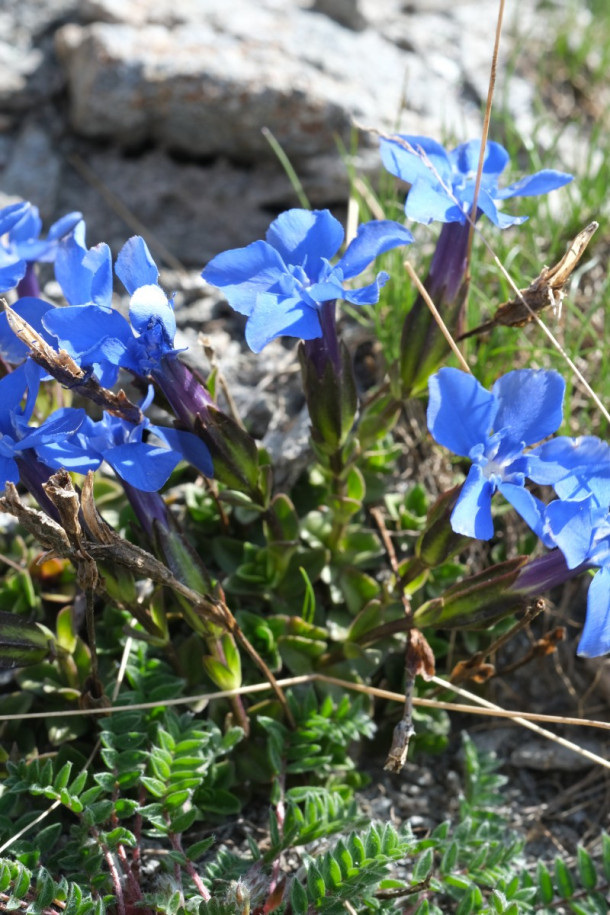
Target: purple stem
323 349
185 392
448 264
29 286
33 473
545 572
148 507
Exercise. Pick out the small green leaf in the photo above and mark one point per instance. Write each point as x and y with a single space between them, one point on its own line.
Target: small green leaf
565 883
199 848
423 866
45 889
606 855
315 882
79 783
63 776
21 882
545 884
183 821
586 868
498 901
449 858
298 898
154 786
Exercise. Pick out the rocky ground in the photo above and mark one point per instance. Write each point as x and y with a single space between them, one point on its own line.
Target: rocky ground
147 118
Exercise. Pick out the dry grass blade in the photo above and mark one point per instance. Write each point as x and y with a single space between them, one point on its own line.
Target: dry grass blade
546 291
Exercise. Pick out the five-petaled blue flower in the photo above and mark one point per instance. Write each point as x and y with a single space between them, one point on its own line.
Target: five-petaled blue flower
17 437
21 225
142 464
493 429
578 522
443 183
98 336
281 283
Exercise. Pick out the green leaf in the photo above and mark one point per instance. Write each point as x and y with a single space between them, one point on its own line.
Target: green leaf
183 821
298 898
606 855
197 849
63 776
498 901
423 866
154 786
565 882
21 882
586 868
315 882
98 813
449 858
79 783
45 889
471 902
545 884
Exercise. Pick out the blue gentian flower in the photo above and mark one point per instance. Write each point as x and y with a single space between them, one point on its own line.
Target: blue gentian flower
21 225
17 437
281 283
581 530
442 183
84 274
493 429
100 337
143 465
32 309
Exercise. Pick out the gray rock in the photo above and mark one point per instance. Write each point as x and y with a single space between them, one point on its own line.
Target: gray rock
191 211
345 12
33 169
208 85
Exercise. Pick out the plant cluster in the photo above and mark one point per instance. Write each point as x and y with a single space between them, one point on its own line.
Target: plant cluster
227 580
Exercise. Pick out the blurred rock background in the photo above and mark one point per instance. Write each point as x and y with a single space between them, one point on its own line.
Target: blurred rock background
158 107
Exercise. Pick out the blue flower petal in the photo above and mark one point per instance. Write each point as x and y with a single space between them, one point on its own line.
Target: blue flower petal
62 422
541 182
28 227
11 215
75 281
189 446
373 238
135 265
75 455
472 513
367 295
33 310
12 269
531 509
574 466
81 328
503 220
9 472
595 638
99 261
149 306
465 158
275 315
411 166
306 237
530 404
242 273
571 525
64 225
143 466
12 390
460 411
427 202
